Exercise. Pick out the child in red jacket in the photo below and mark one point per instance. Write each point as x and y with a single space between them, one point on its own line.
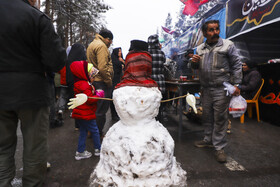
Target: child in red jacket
84 114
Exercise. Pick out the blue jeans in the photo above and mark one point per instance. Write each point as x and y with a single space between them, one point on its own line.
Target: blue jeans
85 126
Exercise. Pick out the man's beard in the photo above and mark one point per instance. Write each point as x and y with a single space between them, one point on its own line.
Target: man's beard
215 36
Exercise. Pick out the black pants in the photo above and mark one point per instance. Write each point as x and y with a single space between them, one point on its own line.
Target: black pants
34 125
102 105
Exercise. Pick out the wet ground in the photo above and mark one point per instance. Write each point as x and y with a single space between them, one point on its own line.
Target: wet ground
253 155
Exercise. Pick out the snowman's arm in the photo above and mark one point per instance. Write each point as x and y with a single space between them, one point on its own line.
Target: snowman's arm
81 99
77 101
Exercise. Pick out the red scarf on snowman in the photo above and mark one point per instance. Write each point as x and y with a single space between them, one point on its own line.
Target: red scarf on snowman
138 70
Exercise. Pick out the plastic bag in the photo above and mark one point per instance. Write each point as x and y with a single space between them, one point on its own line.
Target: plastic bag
237 106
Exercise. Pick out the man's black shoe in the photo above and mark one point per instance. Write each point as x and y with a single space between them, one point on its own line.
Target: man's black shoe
203 143
221 156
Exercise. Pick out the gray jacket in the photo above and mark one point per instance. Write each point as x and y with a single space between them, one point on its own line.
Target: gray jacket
218 64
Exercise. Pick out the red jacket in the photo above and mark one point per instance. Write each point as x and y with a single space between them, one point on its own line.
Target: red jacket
62 73
87 110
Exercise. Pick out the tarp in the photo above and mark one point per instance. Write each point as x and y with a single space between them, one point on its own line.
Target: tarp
245 16
221 16
253 25
193 36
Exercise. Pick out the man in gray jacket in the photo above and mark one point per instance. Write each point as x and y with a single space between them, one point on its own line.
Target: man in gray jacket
29 49
218 62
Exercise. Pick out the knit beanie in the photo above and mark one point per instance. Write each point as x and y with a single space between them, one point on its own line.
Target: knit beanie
105 33
153 41
250 64
138 45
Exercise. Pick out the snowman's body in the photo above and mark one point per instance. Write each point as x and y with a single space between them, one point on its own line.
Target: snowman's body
137 150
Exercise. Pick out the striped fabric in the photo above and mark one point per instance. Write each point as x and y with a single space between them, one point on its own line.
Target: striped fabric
138 70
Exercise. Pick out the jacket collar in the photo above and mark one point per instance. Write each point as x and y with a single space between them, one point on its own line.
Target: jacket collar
99 37
219 43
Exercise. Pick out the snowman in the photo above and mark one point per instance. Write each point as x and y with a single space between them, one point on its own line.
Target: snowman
137 150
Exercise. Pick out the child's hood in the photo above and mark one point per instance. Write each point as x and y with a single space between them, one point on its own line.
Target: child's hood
79 70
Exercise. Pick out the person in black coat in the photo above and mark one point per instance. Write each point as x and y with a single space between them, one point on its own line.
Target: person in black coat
77 53
185 66
251 81
118 65
29 49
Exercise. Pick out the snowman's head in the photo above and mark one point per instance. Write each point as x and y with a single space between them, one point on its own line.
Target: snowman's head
135 104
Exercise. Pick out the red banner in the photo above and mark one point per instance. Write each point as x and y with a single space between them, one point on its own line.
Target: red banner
192 6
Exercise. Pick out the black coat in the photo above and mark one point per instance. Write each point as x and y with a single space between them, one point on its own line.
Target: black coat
29 47
117 67
251 83
77 53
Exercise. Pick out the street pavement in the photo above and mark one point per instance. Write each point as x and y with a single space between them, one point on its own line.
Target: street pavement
253 155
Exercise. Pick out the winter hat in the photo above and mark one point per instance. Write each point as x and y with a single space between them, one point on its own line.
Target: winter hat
138 45
153 41
105 33
250 64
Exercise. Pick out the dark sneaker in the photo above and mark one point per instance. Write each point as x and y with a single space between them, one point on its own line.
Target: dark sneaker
203 143
60 115
59 123
221 156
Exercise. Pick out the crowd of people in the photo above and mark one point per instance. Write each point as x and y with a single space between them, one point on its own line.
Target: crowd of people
31 55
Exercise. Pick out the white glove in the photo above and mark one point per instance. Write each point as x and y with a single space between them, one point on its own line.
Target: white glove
77 101
229 88
191 101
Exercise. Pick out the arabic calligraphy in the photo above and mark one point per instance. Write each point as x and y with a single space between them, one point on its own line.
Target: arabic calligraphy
262 9
252 5
270 99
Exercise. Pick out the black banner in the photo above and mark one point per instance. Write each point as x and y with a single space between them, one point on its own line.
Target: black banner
246 15
269 99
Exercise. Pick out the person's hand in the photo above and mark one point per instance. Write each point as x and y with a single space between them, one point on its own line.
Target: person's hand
195 58
77 101
100 93
121 59
236 92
